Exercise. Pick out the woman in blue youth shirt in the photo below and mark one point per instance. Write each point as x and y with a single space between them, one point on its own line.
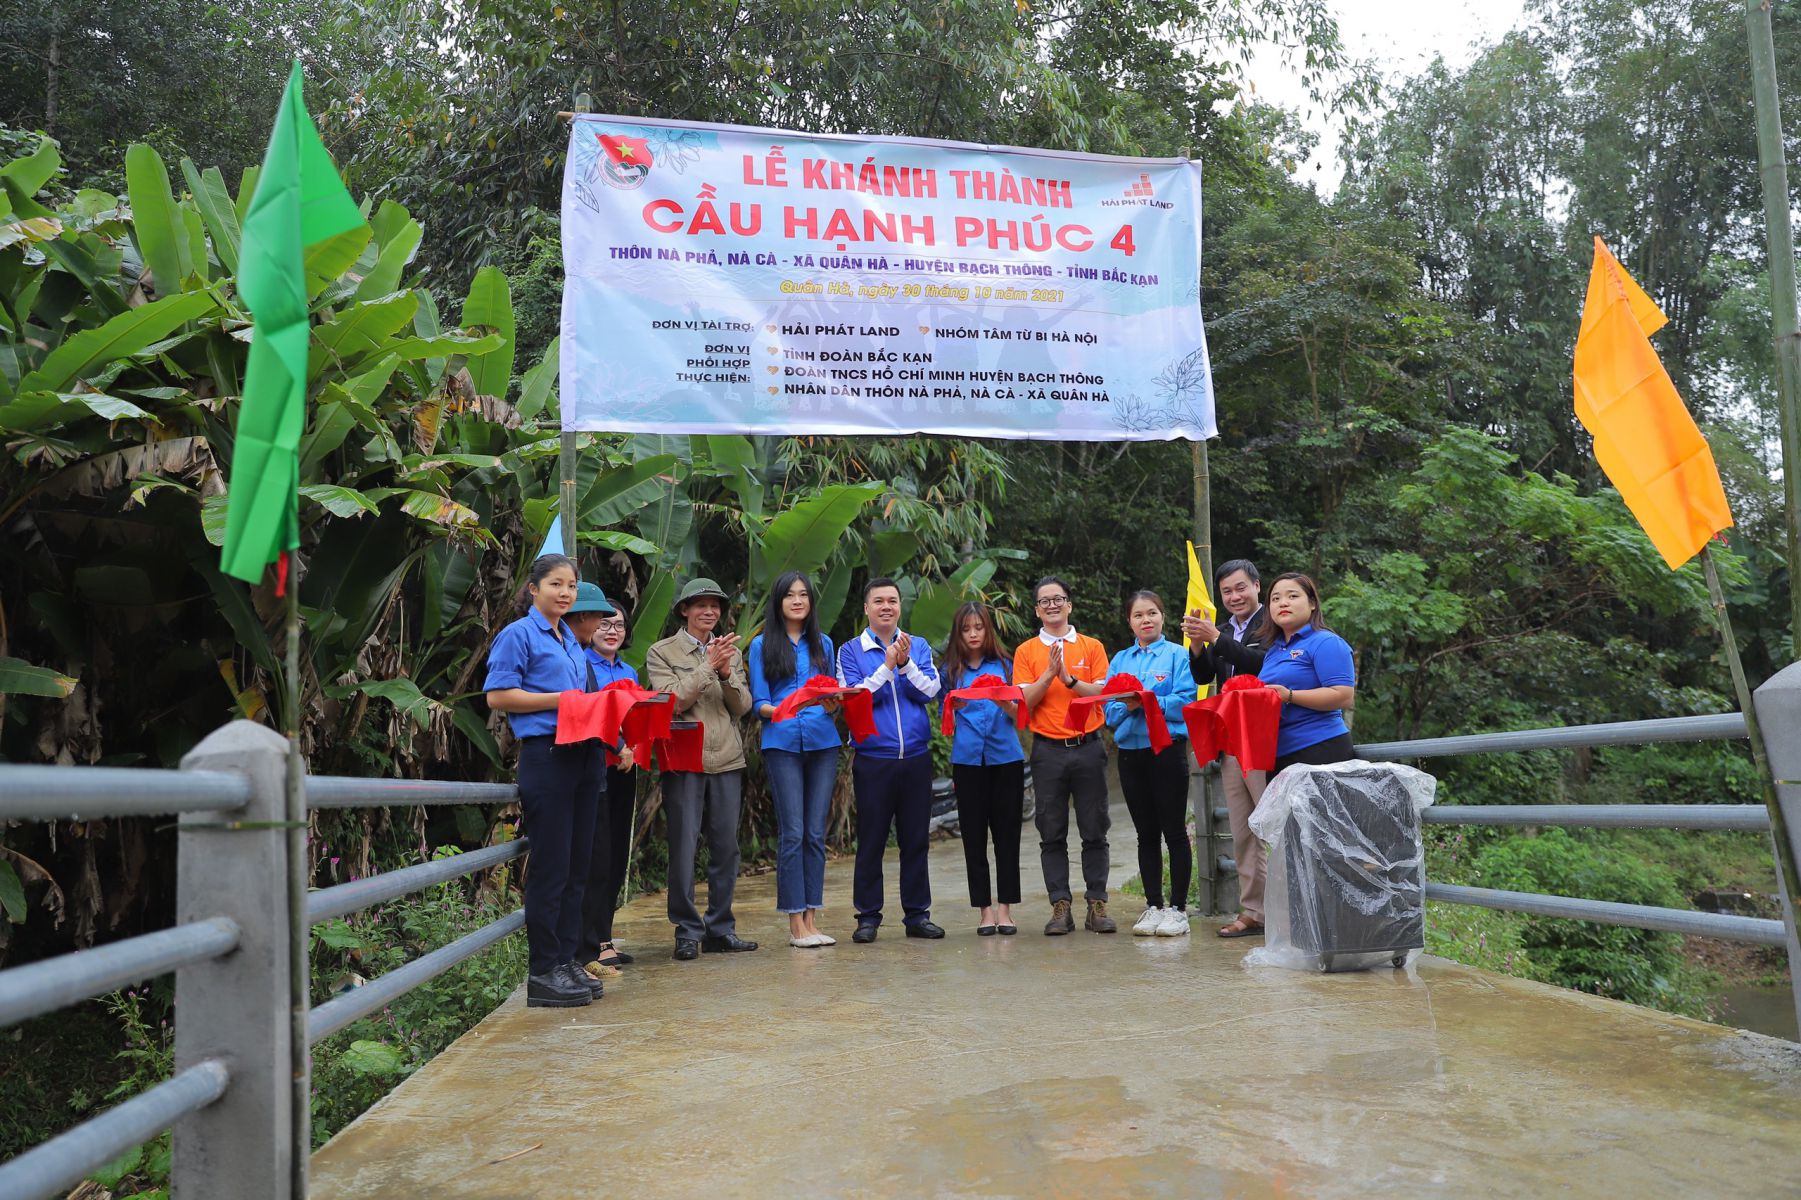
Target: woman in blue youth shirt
600 628
1311 669
532 662
800 756
1155 782
988 768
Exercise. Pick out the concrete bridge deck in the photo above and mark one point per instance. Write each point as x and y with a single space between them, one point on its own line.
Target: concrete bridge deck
1083 1066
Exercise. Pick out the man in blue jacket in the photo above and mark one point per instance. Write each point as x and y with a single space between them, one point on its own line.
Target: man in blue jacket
892 771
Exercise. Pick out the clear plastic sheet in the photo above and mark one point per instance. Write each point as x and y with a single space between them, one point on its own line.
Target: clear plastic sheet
1346 883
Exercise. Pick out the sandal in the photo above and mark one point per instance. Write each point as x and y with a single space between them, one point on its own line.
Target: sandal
612 956
1242 927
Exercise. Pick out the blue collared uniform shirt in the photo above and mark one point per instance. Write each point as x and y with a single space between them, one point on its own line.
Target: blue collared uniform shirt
903 725
610 670
1162 667
986 734
810 729
527 655
1312 658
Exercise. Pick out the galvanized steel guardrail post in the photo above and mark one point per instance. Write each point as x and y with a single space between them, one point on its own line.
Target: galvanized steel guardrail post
234 1009
1778 704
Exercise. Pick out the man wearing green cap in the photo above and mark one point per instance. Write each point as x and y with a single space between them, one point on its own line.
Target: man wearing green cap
705 671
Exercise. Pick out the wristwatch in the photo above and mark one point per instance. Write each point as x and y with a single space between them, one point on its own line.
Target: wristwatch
1069 681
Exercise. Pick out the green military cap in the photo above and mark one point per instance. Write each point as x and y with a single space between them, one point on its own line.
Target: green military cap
694 589
589 598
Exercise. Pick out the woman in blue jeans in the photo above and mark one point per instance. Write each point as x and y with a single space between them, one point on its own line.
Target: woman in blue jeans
800 756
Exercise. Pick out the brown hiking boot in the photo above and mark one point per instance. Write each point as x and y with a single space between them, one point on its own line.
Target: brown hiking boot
1098 920
1061 921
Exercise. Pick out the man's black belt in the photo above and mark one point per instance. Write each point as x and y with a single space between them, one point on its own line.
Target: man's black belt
1073 742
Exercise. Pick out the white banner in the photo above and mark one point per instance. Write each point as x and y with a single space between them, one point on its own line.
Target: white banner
721 279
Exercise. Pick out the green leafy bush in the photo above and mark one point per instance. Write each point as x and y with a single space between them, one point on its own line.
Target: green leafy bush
359 1065
1638 965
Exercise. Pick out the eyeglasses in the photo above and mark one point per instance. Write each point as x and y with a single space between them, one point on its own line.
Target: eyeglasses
1052 602
613 625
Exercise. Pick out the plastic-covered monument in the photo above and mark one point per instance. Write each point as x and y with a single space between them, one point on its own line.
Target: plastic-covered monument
1346 888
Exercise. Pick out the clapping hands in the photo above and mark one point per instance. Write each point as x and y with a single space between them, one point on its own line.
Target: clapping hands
720 653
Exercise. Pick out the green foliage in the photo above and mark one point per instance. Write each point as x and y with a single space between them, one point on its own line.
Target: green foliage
1637 965
355 1068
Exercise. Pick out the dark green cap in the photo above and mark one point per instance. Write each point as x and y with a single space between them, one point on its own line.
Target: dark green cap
589 598
694 589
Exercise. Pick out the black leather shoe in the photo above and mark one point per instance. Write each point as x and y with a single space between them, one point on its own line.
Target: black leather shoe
686 949
555 990
729 943
924 929
865 933
580 978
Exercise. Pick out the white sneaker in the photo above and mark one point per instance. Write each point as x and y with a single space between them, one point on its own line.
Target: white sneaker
1174 923
1148 923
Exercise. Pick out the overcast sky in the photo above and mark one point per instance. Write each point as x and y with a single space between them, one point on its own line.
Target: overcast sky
1400 37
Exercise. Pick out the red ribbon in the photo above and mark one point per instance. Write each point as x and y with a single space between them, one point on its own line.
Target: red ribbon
681 750
986 687
858 703
620 710
1128 685
1241 721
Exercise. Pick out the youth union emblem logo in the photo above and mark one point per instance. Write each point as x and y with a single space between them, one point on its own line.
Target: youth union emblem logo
624 161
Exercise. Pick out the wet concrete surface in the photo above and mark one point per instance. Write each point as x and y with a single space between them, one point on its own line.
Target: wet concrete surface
1081 1066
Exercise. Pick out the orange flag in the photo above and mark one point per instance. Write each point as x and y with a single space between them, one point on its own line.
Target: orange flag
1645 439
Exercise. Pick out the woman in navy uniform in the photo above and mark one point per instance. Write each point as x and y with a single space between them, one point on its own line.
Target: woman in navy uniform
532 662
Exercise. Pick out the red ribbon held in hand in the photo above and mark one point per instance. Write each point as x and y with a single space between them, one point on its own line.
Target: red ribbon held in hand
620 710
859 704
681 750
1128 685
986 687
1241 721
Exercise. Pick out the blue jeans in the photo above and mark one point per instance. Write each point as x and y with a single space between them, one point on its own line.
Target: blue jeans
801 785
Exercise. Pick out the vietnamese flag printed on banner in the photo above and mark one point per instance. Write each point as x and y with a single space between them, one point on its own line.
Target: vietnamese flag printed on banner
627 151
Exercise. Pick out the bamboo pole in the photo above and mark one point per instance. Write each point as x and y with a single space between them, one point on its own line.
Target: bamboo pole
1203 509
1785 855
299 928
566 447
1780 238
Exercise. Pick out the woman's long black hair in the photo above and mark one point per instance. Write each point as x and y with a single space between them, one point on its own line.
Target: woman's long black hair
951 665
543 565
778 651
1266 632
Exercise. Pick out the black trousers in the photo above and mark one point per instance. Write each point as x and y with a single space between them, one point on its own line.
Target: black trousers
892 793
1320 754
1065 777
559 788
606 863
989 799
1156 788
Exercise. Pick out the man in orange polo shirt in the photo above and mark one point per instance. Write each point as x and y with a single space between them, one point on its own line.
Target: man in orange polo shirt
1069 761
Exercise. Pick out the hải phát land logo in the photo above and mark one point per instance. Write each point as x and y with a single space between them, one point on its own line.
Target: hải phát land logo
624 161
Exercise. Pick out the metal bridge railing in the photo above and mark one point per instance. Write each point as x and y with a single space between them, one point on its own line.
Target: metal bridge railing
1779 708
229 1101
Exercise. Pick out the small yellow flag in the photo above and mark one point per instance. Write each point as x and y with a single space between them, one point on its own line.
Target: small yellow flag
1645 439
1197 600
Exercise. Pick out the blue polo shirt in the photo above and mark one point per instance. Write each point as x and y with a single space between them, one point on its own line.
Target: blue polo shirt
986 734
1312 658
1162 667
527 655
610 670
810 729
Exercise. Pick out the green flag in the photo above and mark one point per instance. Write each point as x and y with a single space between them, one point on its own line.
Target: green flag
299 200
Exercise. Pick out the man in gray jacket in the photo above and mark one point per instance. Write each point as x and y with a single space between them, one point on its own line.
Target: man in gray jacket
705 671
